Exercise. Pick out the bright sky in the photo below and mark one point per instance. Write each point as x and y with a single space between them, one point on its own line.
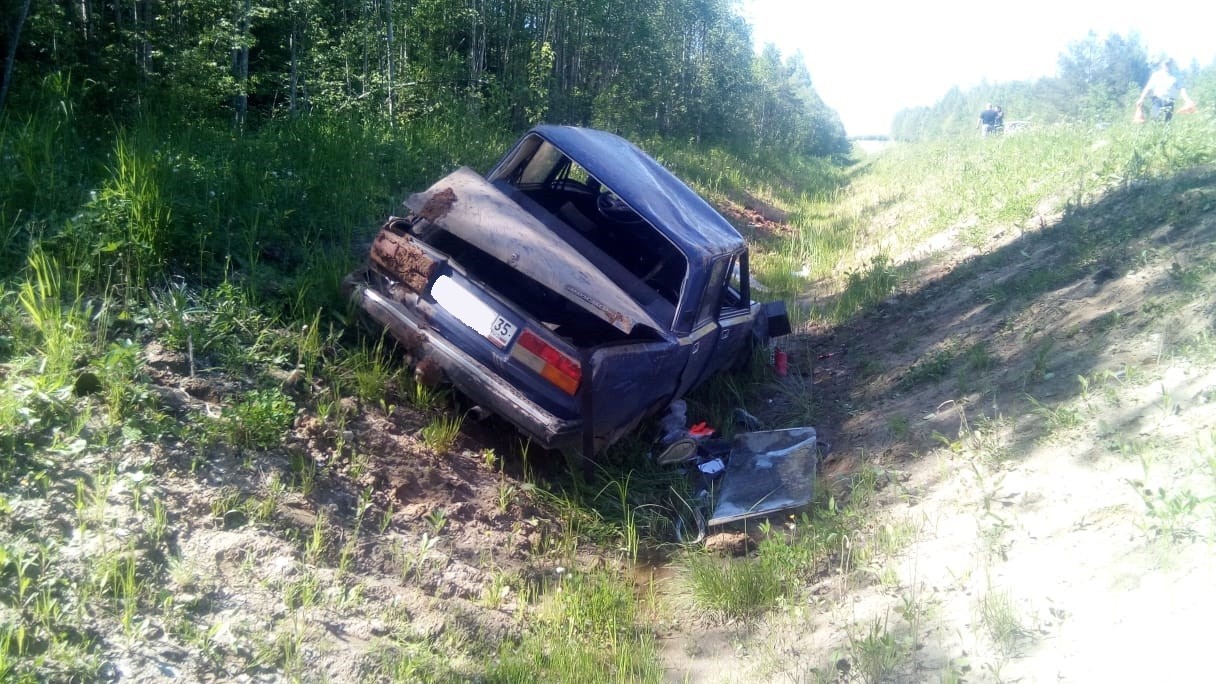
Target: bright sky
870 58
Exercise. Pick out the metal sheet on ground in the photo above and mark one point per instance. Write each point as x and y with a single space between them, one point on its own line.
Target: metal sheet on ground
768 472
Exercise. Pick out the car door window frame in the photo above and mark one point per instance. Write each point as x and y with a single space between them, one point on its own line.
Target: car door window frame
711 298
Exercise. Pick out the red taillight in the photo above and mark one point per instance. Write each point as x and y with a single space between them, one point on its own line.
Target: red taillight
551 364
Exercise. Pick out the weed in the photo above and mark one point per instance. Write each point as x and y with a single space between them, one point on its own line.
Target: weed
290 647
867 286
371 373
227 501
899 427
302 591
1131 375
134 216
1002 623
914 612
1189 280
318 542
1042 360
629 529
1167 403
231 327
350 549
594 618
932 368
399 661
62 328
736 588
955 672
119 380
506 495
438 518
1060 417
1172 515
303 473
1127 447
495 594
263 509
426 399
260 420
799 400
386 518
412 562
893 537
360 460
978 358
440 434
875 651
310 346
158 523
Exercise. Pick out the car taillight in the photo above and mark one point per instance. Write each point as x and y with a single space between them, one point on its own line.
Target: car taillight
551 364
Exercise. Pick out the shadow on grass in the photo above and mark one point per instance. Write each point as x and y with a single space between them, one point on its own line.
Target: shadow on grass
1008 334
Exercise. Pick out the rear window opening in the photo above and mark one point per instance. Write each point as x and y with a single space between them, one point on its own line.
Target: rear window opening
545 181
620 234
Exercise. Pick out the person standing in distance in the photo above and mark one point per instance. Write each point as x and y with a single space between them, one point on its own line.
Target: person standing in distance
1164 87
987 119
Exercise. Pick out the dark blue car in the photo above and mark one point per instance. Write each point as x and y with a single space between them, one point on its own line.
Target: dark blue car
574 290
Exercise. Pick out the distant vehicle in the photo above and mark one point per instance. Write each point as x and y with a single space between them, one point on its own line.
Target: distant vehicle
576 289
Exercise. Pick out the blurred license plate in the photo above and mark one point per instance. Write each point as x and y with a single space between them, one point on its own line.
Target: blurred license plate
473 312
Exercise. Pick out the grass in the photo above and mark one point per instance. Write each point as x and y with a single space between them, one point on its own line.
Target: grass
55 314
830 540
588 631
259 420
441 432
876 652
1003 623
735 589
228 250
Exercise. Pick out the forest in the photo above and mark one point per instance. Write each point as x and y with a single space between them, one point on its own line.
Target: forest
677 68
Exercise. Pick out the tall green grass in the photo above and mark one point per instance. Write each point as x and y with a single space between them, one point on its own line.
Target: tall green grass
853 247
587 629
284 208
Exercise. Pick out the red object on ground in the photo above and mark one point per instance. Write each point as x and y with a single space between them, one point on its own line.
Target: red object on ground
781 362
701 429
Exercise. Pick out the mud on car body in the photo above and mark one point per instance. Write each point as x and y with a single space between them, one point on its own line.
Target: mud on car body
574 290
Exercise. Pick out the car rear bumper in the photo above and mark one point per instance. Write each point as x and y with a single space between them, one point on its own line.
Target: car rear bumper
472 378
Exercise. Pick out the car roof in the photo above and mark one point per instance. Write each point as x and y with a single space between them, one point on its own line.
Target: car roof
648 188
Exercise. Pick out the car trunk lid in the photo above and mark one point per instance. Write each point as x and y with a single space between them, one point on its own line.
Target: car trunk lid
469 207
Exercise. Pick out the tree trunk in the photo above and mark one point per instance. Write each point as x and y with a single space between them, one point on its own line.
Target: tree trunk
11 57
241 65
389 55
294 80
86 20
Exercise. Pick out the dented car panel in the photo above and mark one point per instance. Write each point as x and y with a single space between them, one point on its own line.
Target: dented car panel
479 213
575 290
657 196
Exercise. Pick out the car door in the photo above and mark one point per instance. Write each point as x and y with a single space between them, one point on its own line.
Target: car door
704 337
736 317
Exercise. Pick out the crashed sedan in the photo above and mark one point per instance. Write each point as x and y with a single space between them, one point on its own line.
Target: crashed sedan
574 290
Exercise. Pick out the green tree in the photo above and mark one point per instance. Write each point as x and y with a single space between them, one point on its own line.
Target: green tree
1100 73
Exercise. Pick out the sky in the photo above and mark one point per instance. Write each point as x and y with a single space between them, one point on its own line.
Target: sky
869 59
